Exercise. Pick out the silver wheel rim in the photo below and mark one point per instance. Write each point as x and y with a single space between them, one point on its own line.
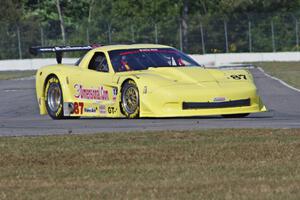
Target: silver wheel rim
130 99
54 97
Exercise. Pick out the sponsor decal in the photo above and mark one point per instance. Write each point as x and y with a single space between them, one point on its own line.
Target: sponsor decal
78 107
111 110
58 110
219 99
91 93
90 110
148 50
115 93
145 90
102 109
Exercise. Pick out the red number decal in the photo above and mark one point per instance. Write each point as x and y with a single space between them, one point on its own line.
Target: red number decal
76 111
78 107
81 107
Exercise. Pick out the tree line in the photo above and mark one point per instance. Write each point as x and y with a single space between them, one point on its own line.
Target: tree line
195 26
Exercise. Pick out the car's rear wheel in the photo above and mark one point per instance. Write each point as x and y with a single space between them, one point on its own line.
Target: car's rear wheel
241 115
130 102
54 98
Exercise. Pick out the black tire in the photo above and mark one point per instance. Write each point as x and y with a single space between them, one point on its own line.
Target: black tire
54 98
130 101
236 115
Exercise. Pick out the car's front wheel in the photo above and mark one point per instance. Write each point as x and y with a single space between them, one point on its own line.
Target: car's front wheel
130 102
54 98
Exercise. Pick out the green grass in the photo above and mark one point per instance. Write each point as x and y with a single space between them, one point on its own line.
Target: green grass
7 75
286 71
208 164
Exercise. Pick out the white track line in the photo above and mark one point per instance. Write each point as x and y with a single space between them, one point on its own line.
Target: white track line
25 78
279 80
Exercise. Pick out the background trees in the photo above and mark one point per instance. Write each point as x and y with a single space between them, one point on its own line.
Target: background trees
195 26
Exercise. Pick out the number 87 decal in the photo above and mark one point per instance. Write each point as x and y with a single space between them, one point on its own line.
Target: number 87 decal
239 77
78 107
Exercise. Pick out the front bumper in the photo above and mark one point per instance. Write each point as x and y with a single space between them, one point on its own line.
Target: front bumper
181 101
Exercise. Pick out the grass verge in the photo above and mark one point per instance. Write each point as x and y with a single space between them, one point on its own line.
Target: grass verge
286 71
208 164
7 75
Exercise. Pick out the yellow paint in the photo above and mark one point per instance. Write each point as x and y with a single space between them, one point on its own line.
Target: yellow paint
166 87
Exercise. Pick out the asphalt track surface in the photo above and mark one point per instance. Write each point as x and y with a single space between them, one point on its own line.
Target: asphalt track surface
19 113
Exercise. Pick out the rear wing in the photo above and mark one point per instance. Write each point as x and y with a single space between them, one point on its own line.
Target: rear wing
59 50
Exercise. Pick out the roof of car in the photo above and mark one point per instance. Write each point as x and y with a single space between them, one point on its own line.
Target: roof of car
130 46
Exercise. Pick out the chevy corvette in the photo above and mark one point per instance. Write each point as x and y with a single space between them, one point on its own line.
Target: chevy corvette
140 80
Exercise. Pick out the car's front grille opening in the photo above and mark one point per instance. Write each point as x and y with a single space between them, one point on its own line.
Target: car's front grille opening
207 105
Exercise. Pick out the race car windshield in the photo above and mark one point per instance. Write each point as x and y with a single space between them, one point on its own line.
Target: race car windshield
142 59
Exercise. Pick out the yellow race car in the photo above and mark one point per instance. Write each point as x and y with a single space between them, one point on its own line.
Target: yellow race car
140 80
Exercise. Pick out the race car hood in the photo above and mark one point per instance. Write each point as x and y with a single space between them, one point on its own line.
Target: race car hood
170 75
167 76
190 74
184 74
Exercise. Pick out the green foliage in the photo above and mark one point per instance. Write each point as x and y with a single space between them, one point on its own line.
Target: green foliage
148 21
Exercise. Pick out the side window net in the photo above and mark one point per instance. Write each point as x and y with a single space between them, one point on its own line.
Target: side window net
98 62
